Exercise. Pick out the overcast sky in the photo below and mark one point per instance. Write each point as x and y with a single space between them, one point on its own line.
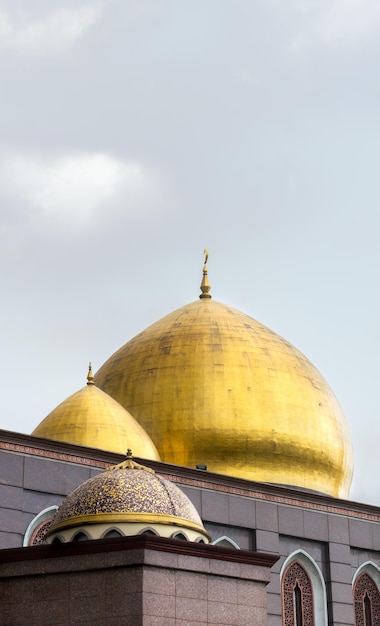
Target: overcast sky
136 133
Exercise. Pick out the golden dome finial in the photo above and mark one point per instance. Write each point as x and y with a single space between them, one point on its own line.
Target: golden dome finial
90 375
205 285
129 463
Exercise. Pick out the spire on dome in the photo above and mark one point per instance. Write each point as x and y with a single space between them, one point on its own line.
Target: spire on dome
90 375
205 285
129 463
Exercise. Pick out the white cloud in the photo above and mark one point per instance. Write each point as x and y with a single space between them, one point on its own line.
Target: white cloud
74 188
336 22
49 34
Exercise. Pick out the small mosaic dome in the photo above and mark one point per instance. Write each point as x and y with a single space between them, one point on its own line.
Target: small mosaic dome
127 499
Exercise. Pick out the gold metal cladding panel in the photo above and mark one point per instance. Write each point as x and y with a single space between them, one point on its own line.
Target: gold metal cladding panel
113 518
213 386
92 418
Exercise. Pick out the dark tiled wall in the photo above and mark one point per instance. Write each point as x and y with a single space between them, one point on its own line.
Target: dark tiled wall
243 537
29 484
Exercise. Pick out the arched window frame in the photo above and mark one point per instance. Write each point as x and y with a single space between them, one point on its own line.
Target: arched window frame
369 568
373 571
80 535
316 580
149 531
38 522
112 530
179 534
58 539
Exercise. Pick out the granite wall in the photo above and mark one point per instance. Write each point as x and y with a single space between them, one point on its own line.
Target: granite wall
139 581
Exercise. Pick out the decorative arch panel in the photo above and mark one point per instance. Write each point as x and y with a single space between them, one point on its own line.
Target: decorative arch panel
366 601
297 597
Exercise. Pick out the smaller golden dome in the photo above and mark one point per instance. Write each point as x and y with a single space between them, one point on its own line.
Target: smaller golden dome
90 417
131 494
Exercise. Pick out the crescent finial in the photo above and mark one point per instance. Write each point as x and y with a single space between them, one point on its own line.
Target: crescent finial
90 376
205 285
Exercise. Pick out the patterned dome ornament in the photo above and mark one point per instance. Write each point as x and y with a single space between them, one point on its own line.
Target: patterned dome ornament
130 499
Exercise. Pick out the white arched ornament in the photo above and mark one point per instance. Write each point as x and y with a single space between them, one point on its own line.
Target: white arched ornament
39 526
226 542
316 580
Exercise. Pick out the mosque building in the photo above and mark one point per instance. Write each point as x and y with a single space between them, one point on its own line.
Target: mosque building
231 505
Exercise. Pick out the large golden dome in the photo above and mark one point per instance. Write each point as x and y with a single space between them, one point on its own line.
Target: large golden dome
92 418
213 386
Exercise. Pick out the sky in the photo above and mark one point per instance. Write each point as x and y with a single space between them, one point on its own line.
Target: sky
134 134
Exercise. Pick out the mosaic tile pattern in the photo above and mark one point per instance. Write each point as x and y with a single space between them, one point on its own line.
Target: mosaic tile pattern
127 491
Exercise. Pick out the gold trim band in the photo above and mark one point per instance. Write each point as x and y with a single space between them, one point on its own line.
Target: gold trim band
104 518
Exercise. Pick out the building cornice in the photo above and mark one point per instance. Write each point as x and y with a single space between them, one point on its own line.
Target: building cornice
139 542
201 479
